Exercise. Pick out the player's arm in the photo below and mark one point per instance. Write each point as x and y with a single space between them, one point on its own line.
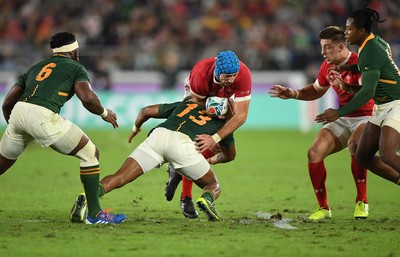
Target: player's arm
339 82
204 141
151 111
370 81
91 102
10 100
307 93
227 154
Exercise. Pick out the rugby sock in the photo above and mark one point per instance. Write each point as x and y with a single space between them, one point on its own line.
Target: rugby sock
317 173
208 195
187 186
90 179
360 178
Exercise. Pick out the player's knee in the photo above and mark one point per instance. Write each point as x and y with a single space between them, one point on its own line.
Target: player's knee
313 155
88 155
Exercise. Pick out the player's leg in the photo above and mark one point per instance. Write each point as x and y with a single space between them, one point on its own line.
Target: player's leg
14 140
325 143
368 146
211 191
174 178
359 175
204 177
186 202
9 152
75 143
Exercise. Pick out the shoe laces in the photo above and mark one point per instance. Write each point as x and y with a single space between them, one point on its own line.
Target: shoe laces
105 215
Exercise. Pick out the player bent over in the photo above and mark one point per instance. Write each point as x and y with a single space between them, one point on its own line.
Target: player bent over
31 110
172 141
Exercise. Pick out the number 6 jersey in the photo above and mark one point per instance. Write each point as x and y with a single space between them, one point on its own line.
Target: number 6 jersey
50 83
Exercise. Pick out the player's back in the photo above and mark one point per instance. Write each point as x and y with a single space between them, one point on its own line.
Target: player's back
189 118
50 83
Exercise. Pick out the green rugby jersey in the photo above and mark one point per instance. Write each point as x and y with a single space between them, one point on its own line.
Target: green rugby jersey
50 83
375 54
191 119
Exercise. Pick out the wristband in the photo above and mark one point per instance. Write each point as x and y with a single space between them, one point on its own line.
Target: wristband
216 137
104 114
134 128
295 94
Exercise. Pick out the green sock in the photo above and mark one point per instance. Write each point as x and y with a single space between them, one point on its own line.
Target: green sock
208 195
90 177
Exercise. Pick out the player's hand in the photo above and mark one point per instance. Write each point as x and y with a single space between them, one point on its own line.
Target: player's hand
133 134
111 118
327 116
281 92
231 110
336 79
203 142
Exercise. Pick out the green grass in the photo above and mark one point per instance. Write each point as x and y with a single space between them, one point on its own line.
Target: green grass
268 177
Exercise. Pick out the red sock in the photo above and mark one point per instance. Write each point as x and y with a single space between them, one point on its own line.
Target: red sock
186 187
317 173
360 178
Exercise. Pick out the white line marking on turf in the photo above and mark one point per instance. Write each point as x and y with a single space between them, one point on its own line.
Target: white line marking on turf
279 223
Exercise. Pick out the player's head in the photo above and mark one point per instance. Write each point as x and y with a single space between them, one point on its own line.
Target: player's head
333 44
227 66
360 24
65 42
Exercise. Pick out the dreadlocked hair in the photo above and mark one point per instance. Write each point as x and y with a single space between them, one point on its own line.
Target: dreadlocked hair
366 18
62 39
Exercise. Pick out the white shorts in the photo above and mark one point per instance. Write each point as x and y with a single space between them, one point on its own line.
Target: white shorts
387 115
164 145
343 127
30 122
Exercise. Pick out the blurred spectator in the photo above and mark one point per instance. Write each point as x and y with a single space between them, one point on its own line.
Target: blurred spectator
139 34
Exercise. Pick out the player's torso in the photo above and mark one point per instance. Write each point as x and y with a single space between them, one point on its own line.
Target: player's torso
376 54
50 83
349 78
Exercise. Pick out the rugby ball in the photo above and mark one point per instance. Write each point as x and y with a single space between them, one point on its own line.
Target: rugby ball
217 106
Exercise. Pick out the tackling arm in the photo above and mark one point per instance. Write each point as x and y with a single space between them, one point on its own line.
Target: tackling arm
228 153
10 100
204 142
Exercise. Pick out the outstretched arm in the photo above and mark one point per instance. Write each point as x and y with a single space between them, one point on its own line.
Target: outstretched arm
307 93
91 102
10 100
145 113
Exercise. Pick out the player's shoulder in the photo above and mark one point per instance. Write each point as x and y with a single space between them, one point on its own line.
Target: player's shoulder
353 58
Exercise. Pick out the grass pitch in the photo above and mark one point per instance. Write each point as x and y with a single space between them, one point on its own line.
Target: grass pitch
266 197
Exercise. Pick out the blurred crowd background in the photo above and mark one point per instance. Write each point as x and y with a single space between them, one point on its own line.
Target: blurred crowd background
172 35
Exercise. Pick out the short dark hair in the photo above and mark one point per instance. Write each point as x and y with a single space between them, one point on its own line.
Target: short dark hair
61 39
366 18
335 33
